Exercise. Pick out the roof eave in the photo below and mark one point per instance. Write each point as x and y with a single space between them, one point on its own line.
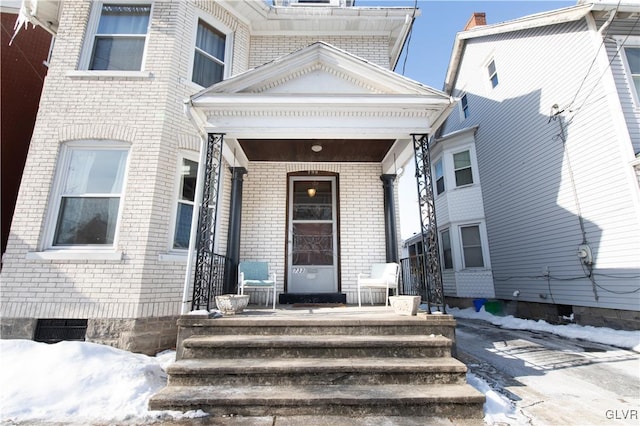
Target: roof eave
553 17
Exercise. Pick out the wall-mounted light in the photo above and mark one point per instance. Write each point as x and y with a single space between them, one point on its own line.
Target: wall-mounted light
311 192
316 148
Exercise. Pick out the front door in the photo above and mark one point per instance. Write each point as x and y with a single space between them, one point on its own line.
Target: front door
312 244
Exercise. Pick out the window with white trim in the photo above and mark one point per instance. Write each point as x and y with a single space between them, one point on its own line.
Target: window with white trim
439 177
447 254
90 193
493 73
471 246
209 56
187 176
462 168
632 55
464 106
119 37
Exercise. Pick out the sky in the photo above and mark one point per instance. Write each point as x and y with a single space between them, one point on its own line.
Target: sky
429 51
86 383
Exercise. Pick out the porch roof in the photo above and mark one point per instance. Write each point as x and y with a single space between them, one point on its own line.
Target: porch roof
320 92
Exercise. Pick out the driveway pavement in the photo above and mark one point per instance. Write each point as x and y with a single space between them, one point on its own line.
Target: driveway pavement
553 380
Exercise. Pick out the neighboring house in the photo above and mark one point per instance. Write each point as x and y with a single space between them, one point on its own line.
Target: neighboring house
23 68
293 109
536 175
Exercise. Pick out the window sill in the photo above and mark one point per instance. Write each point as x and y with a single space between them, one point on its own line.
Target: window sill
74 255
173 257
98 75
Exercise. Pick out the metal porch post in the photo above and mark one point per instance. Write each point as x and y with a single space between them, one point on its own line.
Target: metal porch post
233 236
432 272
390 231
207 265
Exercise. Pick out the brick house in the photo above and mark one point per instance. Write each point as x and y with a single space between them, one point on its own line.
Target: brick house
293 108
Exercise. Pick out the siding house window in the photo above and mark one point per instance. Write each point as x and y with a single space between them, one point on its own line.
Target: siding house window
462 168
439 177
92 181
119 41
633 59
208 61
447 256
471 246
464 106
188 173
493 74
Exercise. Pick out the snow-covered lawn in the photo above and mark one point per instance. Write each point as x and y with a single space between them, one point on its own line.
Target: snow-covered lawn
86 383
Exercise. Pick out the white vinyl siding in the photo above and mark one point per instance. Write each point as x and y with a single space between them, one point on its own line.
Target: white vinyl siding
531 210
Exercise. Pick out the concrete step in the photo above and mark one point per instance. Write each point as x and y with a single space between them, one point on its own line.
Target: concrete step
448 400
349 323
316 371
314 346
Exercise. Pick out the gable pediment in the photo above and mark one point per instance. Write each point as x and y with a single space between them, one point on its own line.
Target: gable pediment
319 69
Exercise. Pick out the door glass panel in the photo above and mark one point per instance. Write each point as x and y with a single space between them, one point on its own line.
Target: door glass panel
312 244
312 200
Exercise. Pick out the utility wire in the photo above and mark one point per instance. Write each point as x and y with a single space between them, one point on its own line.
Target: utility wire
406 54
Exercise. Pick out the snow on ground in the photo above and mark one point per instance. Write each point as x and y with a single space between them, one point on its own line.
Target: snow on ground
85 383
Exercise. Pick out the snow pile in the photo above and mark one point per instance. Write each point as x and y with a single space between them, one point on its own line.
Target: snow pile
79 382
607 336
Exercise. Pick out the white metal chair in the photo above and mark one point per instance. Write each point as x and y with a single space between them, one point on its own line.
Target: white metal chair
255 274
382 276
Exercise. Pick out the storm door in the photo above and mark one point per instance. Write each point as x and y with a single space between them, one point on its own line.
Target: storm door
312 244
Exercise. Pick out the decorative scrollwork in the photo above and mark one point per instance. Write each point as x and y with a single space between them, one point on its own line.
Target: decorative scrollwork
432 276
208 278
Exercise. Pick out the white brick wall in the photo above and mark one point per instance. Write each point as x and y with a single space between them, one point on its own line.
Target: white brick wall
372 48
147 113
362 238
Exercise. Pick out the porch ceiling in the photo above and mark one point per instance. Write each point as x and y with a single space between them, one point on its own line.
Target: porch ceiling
343 150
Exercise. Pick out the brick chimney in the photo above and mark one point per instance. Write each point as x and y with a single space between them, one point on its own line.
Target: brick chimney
477 19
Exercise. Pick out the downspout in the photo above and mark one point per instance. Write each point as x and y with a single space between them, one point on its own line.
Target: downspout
196 202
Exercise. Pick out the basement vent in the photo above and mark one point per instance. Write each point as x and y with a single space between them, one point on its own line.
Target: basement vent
57 330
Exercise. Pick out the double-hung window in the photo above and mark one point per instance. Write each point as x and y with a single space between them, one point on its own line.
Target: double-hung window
92 182
120 37
447 255
493 73
439 177
209 57
471 246
464 106
188 173
632 55
462 168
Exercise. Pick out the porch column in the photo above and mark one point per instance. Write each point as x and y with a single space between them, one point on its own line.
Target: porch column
432 276
233 236
391 236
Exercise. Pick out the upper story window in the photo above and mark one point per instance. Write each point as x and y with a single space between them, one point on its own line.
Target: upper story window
89 194
632 55
209 57
188 173
439 177
119 40
471 246
464 106
493 73
462 168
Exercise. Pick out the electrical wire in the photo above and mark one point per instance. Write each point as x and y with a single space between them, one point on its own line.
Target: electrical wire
413 17
620 45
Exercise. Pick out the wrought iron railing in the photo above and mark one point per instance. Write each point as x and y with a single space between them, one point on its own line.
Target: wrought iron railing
212 285
416 281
